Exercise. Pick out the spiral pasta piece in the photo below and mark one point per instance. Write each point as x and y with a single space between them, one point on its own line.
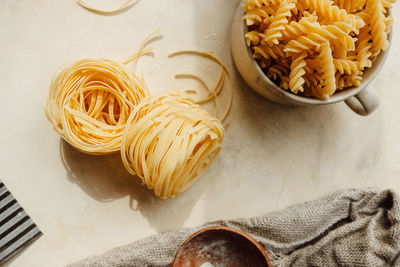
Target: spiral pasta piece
297 72
332 13
346 41
251 4
90 101
267 52
300 31
169 142
278 23
254 4
388 23
343 81
308 42
378 26
297 28
252 38
277 72
255 15
328 85
312 80
363 49
351 6
285 80
345 66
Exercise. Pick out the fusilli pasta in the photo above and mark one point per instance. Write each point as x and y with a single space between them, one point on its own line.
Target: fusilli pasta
315 47
297 71
278 22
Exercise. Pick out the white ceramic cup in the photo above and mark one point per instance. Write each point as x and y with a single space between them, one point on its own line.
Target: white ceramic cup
361 99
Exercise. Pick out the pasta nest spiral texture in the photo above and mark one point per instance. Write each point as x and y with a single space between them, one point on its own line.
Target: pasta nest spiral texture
90 101
169 142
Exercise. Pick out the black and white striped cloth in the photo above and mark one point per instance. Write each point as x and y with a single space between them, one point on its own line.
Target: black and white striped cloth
16 227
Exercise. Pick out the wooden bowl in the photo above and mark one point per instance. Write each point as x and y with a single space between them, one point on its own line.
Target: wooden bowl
221 246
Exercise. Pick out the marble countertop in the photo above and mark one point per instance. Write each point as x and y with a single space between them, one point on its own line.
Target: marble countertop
273 156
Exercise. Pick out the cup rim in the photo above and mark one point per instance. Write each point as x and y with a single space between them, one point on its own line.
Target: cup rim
340 96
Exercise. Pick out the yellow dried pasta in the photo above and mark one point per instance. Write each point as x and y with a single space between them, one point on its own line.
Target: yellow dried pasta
315 47
124 6
90 101
297 72
100 107
277 25
169 142
326 62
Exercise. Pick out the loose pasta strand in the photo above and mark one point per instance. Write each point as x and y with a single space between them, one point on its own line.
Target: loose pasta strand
220 85
211 93
151 37
143 52
125 5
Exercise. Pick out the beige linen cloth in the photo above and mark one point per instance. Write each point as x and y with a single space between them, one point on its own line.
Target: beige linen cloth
348 228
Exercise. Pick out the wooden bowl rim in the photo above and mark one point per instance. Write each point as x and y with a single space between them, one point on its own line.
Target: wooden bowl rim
227 229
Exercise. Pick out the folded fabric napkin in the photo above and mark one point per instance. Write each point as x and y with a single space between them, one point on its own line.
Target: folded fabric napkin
348 228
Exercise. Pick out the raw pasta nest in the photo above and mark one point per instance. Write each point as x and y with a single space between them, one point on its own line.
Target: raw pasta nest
169 142
90 101
316 47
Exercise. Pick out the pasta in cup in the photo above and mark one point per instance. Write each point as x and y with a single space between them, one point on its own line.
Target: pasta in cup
319 47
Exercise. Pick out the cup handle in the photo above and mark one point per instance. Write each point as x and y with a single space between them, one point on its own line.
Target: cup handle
365 102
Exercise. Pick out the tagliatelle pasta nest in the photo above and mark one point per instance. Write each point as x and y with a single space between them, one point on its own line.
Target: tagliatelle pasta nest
169 141
316 47
90 101
100 107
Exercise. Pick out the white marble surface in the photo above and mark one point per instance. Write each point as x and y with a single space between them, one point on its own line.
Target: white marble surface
273 156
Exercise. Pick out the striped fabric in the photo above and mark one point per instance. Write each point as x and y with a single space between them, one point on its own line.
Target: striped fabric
16 228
